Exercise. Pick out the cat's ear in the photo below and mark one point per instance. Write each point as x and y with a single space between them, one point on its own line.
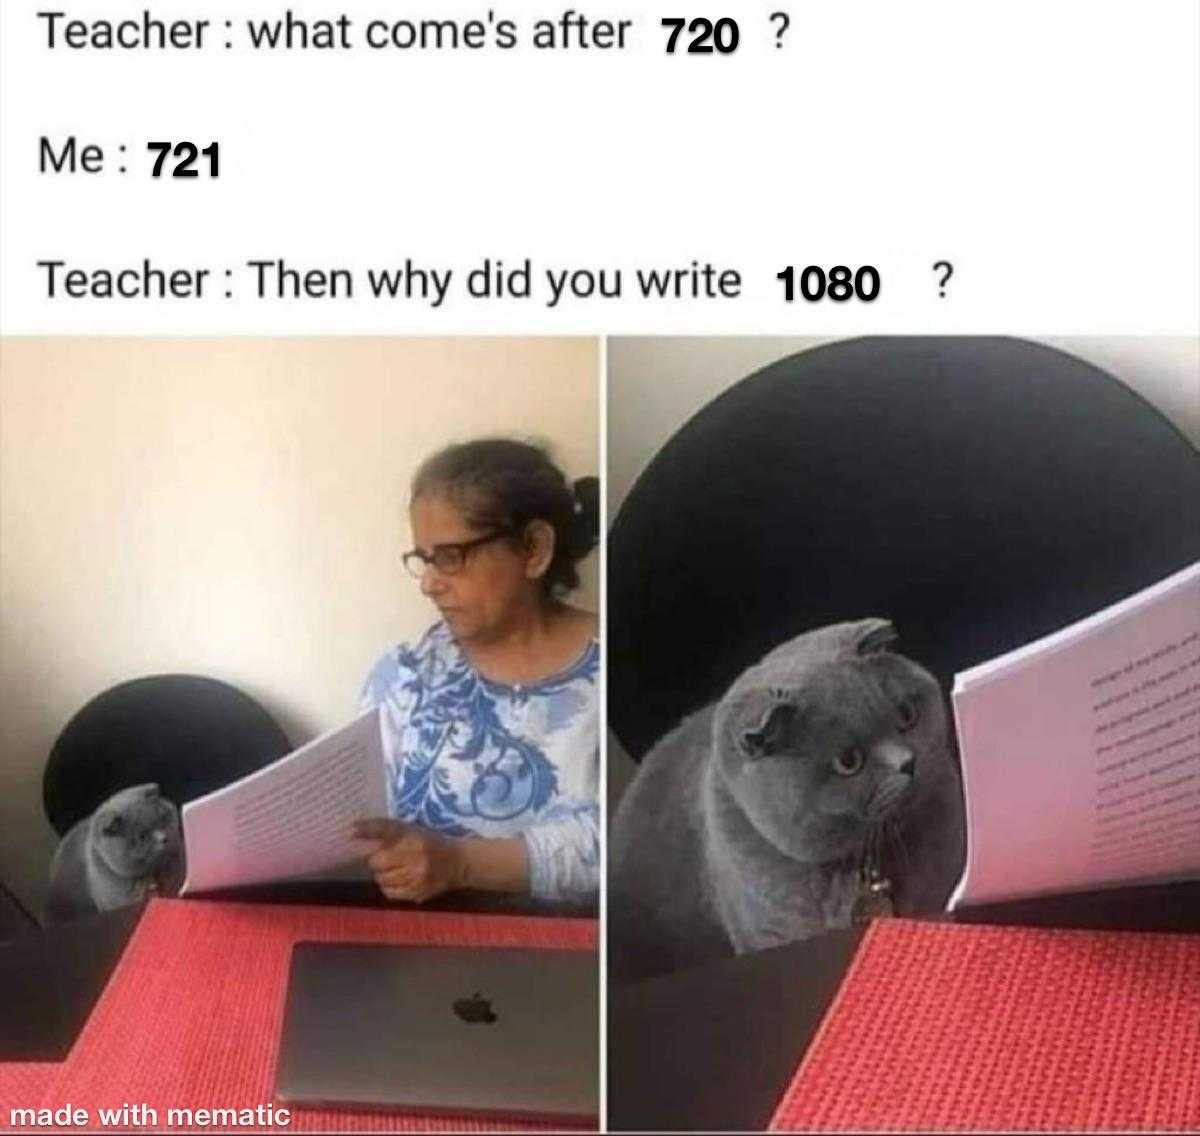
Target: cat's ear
874 636
767 738
114 826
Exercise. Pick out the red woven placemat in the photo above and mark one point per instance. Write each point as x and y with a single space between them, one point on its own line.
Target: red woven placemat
192 1014
23 1084
951 1028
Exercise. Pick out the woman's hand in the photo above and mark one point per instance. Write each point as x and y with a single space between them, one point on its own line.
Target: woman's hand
411 862
415 864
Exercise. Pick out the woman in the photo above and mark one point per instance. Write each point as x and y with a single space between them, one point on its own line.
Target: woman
491 721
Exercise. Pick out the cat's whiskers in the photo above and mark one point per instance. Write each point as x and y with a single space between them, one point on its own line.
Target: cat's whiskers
895 836
885 798
870 842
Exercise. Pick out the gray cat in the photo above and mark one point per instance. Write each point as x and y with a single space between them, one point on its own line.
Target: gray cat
128 849
753 822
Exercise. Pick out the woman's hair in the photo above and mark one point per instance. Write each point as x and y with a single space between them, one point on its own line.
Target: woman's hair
500 483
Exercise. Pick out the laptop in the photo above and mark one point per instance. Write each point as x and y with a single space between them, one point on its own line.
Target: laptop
496 1031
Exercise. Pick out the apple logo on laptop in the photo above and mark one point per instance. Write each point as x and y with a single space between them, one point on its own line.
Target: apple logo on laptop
475 1009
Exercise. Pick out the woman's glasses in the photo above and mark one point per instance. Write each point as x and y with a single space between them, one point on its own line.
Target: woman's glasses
447 559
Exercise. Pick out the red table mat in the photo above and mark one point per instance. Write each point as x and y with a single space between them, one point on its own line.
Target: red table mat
23 1084
939 1027
192 1014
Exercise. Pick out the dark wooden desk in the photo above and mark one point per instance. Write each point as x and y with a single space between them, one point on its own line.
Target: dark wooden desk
51 978
364 893
1151 907
713 1047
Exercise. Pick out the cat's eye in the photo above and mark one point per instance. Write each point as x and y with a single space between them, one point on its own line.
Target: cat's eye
849 762
910 714
113 827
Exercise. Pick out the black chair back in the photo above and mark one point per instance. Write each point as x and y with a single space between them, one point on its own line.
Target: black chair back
188 733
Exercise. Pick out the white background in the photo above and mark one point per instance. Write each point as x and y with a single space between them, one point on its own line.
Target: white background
1048 148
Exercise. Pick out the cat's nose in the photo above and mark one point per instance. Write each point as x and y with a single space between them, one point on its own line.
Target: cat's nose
898 757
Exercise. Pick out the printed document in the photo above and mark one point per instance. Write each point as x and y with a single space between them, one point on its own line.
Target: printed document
1081 753
293 818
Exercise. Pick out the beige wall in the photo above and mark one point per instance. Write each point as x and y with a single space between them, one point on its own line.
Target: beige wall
234 508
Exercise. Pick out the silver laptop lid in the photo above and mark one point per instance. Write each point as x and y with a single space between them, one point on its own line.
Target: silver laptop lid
501 1031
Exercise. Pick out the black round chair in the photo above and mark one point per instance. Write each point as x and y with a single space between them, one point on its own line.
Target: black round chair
978 492
188 733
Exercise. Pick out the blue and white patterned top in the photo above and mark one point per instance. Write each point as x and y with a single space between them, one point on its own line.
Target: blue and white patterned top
471 757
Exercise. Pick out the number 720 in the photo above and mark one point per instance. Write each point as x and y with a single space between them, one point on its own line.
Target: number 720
707 36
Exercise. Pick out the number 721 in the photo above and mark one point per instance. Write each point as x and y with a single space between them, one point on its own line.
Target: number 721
186 153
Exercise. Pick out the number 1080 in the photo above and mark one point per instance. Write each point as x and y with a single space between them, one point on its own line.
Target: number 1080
838 284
